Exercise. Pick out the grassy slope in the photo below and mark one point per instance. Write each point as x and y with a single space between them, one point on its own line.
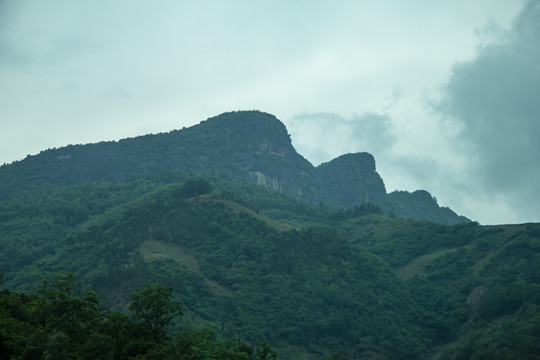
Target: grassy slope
480 283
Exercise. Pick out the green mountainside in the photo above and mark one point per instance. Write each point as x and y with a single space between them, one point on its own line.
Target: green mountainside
252 263
255 270
249 145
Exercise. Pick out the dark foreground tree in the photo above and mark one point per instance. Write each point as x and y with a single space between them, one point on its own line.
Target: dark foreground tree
155 309
265 352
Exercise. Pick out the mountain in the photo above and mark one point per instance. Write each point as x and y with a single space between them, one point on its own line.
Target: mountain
182 217
248 145
351 180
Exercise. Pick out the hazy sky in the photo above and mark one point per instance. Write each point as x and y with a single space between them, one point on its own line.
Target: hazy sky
444 94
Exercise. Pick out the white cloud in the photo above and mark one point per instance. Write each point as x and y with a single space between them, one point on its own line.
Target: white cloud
495 99
76 72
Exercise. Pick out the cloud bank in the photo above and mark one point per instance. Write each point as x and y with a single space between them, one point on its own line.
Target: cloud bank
496 99
474 142
400 79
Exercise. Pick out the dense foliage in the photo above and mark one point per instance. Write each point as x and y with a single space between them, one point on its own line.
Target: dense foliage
253 266
57 323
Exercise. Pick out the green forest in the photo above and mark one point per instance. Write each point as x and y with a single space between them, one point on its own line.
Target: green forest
192 266
57 323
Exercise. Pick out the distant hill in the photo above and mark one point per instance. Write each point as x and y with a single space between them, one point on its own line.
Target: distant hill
248 145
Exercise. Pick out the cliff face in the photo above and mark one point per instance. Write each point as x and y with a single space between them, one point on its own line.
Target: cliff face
258 145
251 145
351 180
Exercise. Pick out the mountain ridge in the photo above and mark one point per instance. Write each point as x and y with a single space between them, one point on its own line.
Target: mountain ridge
251 145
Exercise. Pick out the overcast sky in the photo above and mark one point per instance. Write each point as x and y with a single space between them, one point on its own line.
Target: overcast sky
444 94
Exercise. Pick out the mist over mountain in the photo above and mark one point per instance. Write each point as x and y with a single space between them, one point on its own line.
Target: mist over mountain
249 145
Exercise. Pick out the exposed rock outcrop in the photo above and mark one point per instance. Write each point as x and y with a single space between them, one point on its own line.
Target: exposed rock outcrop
351 180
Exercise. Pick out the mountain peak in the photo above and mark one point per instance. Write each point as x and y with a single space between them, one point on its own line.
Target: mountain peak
352 180
254 121
245 118
253 131
361 161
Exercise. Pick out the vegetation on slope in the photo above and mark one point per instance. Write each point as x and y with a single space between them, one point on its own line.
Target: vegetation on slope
257 265
58 323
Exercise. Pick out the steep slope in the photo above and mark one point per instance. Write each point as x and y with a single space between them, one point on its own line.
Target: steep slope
478 284
258 144
248 145
308 292
351 180
255 263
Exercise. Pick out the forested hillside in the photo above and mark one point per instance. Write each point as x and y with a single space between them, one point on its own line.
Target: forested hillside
254 268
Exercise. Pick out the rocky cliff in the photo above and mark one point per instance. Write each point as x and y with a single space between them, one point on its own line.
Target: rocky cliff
258 145
351 180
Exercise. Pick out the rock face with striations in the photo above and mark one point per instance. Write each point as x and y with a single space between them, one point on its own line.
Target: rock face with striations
251 145
258 145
